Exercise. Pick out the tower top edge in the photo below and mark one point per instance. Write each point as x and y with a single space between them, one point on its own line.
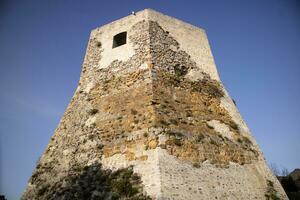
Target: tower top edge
145 14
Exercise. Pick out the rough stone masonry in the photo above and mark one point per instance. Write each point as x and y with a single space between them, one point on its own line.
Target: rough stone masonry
151 119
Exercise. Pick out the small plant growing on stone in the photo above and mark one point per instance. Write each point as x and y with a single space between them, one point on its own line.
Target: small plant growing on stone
196 165
189 114
42 190
247 140
146 147
92 111
200 137
119 117
173 121
134 112
163 122
176 141
100 146
240 140
93 125
145 134
180 70
213 142
221 138
233 125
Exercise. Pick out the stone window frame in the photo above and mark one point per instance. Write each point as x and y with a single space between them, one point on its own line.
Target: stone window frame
119 39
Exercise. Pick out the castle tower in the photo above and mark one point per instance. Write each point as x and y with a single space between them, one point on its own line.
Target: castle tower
150 119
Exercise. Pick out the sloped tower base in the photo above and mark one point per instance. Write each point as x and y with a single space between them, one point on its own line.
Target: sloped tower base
151 119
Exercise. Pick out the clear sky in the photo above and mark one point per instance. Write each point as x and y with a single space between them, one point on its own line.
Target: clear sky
256 46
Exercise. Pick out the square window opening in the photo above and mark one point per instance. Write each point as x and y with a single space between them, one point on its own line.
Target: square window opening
119 39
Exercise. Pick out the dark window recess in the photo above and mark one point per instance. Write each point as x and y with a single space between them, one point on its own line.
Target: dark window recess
119 39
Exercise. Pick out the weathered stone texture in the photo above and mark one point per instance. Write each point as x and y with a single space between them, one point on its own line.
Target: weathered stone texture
155 106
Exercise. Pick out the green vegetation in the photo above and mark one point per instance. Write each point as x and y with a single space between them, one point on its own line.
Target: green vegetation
199 137
173 121
196 165
247 140
93 182
93 111
271 193
176 141
213 142
180 70
145 134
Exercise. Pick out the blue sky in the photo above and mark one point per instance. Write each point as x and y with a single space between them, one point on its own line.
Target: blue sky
256 46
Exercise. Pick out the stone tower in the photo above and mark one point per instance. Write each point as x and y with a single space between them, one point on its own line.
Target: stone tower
150 119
